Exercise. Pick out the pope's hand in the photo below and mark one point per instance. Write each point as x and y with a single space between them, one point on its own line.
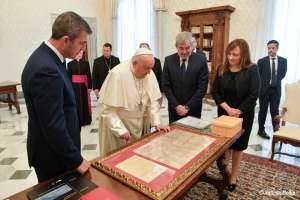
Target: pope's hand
162 127
125 136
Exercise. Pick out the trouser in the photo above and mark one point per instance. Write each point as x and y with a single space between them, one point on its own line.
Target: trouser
270 97
43 175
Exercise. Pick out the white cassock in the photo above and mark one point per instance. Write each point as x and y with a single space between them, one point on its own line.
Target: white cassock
119 100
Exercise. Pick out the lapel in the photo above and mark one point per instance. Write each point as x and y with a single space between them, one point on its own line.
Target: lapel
190 66
177 67
279 66
268 66
61 66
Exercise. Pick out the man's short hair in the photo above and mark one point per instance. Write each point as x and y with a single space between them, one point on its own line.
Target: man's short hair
144 44
182 37
69 24
108 45
194 36
274 42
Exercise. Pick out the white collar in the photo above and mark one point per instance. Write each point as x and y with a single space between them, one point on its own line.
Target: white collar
62 59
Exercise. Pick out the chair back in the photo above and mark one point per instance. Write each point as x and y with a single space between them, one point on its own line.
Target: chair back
292 103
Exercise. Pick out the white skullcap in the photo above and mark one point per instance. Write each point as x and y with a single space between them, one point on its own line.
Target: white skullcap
142 51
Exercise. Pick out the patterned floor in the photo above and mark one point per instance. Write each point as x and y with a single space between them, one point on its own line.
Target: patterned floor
15 175
260 179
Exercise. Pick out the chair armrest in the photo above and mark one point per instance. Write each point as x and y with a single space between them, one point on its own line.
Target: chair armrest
277 118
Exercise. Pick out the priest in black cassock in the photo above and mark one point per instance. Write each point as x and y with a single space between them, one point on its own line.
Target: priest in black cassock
80 73
102 67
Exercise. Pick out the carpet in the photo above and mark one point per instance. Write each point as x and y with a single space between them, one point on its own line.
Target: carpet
258 178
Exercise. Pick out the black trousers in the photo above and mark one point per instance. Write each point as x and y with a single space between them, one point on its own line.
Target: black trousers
270 97
43 175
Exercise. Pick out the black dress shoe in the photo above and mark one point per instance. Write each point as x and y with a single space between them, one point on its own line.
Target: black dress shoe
231 187
263 134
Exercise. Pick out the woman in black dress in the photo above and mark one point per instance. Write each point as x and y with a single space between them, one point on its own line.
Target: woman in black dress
235 91
80 73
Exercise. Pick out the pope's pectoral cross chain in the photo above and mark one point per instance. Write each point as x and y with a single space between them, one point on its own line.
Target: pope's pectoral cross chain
139 94
141 105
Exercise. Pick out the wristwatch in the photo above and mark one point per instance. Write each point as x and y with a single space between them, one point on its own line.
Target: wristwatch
186 107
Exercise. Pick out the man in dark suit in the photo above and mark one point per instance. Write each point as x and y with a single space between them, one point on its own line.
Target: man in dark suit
185 79
272 70
53 142
194 49
102 66
157 67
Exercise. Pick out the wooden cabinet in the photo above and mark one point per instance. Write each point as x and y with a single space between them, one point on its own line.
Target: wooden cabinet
211 26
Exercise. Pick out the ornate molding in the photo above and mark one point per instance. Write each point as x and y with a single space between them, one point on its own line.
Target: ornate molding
220 19
185 24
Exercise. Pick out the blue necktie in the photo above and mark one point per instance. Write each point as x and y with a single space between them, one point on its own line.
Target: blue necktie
64 63
273 78
183 69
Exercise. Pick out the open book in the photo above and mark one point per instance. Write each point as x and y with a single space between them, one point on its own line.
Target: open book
193 122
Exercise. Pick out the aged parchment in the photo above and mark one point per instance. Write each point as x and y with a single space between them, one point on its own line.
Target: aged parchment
141 168
176 148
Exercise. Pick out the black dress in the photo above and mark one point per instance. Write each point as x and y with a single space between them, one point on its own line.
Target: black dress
230 97
82 68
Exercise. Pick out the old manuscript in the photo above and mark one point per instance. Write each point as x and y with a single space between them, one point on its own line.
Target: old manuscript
175 148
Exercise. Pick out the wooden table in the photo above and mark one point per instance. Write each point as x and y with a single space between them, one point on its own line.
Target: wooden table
126 192
8 87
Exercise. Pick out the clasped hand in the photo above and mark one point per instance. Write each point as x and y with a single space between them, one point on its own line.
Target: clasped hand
234 112
181 110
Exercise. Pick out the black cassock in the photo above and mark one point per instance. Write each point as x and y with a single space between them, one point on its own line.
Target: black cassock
81 68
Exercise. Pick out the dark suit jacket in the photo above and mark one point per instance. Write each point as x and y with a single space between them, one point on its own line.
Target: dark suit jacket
200 52
192 90
100 70
265 73
247 83
53 142
158 72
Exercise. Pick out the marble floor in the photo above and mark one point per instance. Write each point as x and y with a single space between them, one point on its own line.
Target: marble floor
15 174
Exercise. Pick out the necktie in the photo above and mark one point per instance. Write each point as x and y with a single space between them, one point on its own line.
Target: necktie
183 69
64 63
273 78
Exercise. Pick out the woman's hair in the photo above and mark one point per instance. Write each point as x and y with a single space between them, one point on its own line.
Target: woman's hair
245 61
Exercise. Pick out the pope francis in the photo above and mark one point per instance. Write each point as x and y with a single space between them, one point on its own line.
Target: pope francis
128 102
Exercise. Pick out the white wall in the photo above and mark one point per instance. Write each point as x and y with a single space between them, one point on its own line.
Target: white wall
243 22
26 24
